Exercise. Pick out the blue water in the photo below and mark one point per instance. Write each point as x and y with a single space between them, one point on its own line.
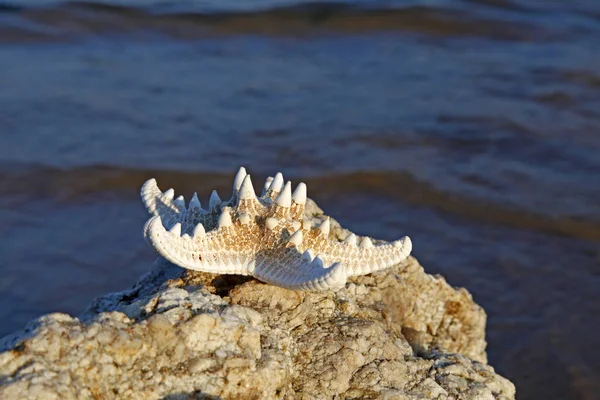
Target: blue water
472 126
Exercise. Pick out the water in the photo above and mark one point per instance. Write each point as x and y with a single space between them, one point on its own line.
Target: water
472 126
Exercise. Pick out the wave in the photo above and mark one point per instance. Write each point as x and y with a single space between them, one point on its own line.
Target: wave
86 183
76 19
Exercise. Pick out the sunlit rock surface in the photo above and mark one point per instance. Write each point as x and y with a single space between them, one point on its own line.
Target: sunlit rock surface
177 334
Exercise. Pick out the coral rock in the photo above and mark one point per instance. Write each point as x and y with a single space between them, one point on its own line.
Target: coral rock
180 334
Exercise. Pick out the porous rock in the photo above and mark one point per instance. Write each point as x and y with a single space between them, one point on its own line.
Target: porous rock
177 334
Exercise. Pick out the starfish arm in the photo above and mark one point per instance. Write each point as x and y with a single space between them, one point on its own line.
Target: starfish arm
159 203
173 211
206 252
299 273
366 257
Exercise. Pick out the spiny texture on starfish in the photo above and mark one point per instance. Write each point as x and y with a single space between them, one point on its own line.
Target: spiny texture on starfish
266 237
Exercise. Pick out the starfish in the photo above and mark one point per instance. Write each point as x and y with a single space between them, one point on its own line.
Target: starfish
267 237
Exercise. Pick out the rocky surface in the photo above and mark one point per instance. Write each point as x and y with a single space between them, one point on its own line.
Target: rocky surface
177 334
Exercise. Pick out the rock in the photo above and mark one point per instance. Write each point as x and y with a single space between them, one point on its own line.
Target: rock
178 334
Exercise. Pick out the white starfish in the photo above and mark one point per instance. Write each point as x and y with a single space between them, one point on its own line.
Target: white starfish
266 237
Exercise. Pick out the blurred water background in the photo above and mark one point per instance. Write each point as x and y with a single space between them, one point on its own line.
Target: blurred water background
471 125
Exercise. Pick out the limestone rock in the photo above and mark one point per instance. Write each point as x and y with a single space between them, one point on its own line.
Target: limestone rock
178 334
